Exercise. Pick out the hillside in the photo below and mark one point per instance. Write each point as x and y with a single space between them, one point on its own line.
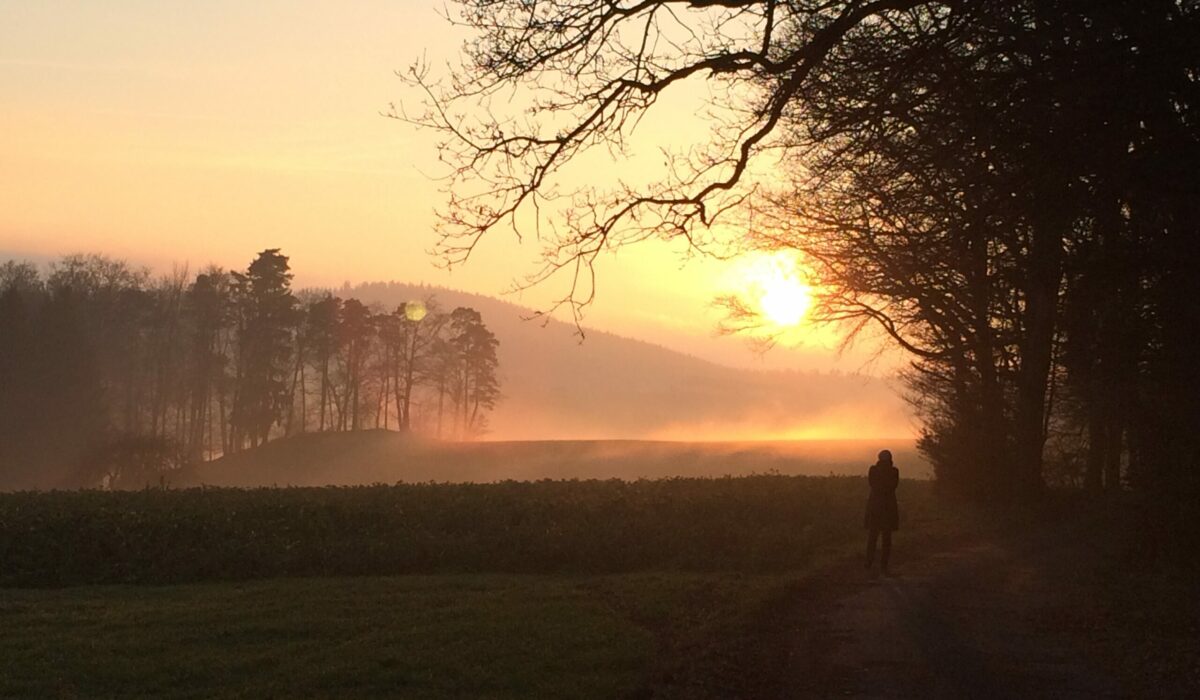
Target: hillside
378 456
608 386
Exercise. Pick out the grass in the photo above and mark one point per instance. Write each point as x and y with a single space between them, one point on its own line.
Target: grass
518 589
497 636
761 523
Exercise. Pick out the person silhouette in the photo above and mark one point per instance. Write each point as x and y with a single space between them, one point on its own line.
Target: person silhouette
883 515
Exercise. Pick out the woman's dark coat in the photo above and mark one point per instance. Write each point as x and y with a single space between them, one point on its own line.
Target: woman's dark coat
882 512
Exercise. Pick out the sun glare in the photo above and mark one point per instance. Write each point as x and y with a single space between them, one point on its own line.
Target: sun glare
774 287
785 301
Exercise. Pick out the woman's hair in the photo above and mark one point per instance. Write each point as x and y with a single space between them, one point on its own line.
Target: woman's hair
885 456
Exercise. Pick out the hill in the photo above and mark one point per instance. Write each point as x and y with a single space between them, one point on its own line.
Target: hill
608 386
378 456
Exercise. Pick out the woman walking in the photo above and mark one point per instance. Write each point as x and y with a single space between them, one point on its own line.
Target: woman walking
883 515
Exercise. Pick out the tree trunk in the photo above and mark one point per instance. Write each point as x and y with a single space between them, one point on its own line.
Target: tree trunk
1041 290
324 392
441 405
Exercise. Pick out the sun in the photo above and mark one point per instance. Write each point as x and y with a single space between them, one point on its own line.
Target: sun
785 300
773 285
768 296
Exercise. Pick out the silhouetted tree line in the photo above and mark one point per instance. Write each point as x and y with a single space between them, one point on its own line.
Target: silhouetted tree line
1006 188
110 375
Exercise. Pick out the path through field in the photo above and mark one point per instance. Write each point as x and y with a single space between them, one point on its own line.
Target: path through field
978 621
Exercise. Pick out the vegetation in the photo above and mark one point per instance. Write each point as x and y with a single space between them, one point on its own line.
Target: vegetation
724 629
473 636
764 523
111 377
274 638
1004 189
580 589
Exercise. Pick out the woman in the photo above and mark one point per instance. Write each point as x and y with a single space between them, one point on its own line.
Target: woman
883 516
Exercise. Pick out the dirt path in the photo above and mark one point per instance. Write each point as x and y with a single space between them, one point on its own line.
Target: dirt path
975 622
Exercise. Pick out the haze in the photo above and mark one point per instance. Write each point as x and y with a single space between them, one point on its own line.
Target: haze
169 133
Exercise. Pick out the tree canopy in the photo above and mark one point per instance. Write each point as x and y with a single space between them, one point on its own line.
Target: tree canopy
1005 189
114 377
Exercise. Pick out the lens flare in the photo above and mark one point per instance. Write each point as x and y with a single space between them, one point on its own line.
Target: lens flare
415 310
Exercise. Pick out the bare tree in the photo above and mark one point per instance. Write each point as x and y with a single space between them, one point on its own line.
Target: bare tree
549 82
954 164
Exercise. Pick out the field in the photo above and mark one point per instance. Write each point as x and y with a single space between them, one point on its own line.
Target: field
414 636
579 588
380 456
752 524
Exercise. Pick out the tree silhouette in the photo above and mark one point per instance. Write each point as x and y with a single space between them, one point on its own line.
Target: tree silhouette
422 324
474 350
113 378
323 318
354 334
589 74
207 305
264 304
69 390
1004 189
17 354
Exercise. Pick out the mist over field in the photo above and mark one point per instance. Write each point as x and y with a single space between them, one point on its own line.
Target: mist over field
377 456
120 379
556 385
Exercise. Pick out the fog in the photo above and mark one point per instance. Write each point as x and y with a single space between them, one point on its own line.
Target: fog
556 385
376 456
117 378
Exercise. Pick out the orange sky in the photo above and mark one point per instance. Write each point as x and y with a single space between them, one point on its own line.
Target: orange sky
170 132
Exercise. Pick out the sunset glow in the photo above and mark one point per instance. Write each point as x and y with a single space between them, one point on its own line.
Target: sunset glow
773 286
785 298
140 146
122 134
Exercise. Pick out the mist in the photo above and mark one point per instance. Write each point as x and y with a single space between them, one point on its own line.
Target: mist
559 385
120 377
381 457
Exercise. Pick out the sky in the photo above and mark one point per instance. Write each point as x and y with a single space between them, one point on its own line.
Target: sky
175 133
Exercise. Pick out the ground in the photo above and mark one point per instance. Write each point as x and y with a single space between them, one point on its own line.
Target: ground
977 608
397 636
975 622
1040 614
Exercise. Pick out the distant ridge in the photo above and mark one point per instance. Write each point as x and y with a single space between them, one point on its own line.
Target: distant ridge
609 386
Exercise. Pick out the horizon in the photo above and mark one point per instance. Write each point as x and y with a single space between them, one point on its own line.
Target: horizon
633 388
183 160
735 352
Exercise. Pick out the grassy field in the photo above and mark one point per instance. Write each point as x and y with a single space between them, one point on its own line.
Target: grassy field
763 523
568 589
412 636
380 456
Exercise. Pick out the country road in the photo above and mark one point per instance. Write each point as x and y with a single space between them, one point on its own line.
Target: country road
974 622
